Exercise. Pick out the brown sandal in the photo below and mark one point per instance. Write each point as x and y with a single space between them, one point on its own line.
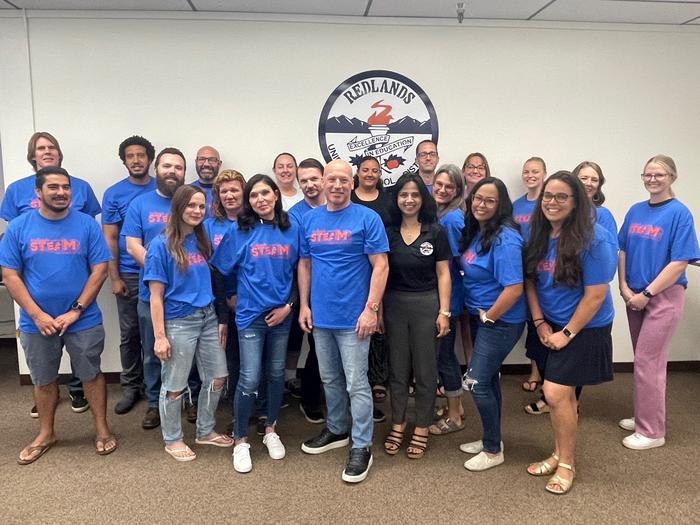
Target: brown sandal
392 442
418 443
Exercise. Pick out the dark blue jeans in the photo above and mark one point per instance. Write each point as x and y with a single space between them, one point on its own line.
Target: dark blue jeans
492 344
151 364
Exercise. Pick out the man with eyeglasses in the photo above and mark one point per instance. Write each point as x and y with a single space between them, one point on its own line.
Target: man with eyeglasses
207 164
427 160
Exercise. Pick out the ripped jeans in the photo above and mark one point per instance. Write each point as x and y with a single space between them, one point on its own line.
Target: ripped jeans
194 337
255 341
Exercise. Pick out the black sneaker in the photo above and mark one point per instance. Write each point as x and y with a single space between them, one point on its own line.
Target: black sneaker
312 414
324 442
191 412
359 463
151 419
293 386
378 416
78 403
33 412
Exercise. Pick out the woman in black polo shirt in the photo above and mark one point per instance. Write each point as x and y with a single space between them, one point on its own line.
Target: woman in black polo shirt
416 308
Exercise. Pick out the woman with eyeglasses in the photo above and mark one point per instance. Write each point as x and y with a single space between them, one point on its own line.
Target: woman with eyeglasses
569 263
369 192
262 250
448 192
475 168
491 262
416 308
533 174
657 240
184 322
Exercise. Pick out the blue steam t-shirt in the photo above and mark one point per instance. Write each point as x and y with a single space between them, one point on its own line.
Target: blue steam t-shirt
146 218
115 202
54 258
453 223
216 229
20 198
296 213
206 188
264 259
653 236
485 276
522 211
598 264
184 291
606 220
338 243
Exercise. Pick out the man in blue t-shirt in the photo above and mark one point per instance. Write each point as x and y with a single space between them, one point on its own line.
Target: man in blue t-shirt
137 154
54 262
43 150
207 163
342 274
147 217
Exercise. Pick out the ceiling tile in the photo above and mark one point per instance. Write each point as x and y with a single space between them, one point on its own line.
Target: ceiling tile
620 11
296 7
103 5
506 9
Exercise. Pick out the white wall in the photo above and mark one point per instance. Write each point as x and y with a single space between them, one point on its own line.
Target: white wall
613 94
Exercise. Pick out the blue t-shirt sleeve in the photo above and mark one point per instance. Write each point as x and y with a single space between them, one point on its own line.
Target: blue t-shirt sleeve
508 258
453 224
98 251
8 209
599 262
225 254
304 248
156 264
375 235
684 243
10 256
606 220
132 222
92 205
110 210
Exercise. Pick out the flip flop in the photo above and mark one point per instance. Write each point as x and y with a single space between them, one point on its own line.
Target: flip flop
42 449
219 440
104 442
532 385
174 451
445 426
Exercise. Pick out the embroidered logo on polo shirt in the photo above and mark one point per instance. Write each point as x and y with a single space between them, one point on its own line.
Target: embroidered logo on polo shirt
426 248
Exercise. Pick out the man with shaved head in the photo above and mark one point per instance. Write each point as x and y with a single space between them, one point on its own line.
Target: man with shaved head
207 163
342 274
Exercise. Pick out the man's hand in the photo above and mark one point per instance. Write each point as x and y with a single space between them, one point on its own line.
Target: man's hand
278 315
67 319
223 335
119 288
305 320
366 324
443 325
162 348
46 324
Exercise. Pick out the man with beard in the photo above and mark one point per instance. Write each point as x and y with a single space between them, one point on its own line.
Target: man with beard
43 150
137 154
427 160
207 164
147 217
54 263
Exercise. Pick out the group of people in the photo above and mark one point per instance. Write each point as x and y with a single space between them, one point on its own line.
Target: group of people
217 281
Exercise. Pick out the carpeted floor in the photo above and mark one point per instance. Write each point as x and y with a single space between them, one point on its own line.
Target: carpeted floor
139 483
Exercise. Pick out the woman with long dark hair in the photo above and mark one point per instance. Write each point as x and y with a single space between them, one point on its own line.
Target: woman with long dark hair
184 322
491 262
416 308
569 264
261 249
657 240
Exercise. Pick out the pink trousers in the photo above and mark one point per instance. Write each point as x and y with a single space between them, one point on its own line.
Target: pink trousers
651 330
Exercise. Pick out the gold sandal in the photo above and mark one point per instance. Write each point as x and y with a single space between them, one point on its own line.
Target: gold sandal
564 484
542 468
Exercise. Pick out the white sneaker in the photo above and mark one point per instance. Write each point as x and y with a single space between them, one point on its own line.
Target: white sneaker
241 458
626 424
274 445
638 442
483 461
475 447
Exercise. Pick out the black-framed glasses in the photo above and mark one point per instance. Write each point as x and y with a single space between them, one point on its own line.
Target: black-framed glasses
427 154
478 167
211 160
561 198
489 202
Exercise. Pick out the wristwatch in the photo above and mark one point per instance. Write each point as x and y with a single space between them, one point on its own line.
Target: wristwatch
77 306
291 305
446 313
373 306
646 293
568 333
485 320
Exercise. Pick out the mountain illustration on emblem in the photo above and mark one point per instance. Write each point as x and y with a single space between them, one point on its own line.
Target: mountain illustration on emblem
344 124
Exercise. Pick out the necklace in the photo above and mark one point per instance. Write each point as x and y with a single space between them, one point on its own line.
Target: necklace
410 233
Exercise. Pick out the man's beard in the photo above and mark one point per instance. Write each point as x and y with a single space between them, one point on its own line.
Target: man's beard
165 188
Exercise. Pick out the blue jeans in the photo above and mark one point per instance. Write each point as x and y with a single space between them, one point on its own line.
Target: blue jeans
343 362
255 342
195 337
492 344
151 364
448 365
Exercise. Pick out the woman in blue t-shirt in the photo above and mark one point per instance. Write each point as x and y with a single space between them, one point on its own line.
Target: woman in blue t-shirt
569 262
657 240
262 250
448 192
491 263
184 322
591 176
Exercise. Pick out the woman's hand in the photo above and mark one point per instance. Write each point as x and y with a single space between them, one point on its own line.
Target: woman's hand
380 322
626 292
637 302
544 330
162 348
557 340
223 335
443 325
278 315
